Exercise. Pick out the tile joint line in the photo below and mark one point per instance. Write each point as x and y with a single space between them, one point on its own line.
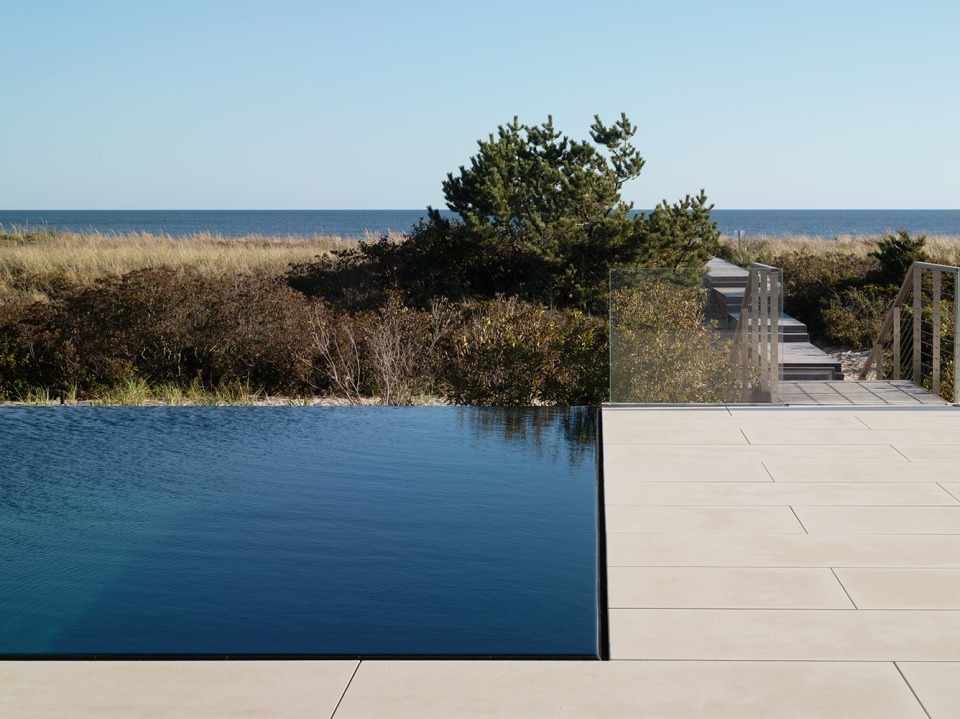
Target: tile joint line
912 690
346 689
833 571
799 520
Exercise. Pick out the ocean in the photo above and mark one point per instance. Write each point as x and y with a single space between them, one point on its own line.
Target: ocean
360 223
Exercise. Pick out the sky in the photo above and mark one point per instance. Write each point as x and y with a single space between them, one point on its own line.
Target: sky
363 104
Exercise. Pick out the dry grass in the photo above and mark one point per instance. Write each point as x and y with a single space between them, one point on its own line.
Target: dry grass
944 249
32 261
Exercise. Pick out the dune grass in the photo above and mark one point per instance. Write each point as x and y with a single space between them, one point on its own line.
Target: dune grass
943 249
37 263
137 392
34 262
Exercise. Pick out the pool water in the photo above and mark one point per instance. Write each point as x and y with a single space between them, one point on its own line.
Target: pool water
327 531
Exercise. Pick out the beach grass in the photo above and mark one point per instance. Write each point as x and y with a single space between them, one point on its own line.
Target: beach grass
137 392
34 262
942 249
37 263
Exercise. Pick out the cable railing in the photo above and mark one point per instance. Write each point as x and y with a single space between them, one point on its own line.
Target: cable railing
919 337
757 341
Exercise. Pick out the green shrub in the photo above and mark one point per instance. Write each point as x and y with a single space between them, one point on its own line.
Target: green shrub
811 281
853 317
510 352
162 326
896 253
663 350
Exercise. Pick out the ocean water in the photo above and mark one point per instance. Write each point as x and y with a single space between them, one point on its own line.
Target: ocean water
359 223
329 531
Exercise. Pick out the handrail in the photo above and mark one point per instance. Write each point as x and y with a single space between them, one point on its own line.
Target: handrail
899 350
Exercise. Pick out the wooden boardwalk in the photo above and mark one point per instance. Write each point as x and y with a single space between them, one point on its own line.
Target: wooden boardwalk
861 394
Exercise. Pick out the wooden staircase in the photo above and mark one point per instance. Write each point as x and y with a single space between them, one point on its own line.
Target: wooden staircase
800 359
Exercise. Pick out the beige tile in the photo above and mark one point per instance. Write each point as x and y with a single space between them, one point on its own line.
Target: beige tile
642 471
953 488
782 550
741 453
902 588
880 520
929 452
778 435
791 635
724 588
796 418
936 418
208 689
777 493
894 471
629 690
671 434
701 519
936 686
624 424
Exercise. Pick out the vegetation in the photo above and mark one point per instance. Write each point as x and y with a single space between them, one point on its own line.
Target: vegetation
842 289
662 347
505 305
541 220
44 263
206 321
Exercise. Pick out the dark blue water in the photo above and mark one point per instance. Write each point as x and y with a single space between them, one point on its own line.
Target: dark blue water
298 531
358 223
229 223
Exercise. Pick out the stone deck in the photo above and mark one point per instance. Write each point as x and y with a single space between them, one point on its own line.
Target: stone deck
762 562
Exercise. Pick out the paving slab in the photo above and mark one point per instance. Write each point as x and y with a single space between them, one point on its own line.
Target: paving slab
785 635
629 690
782 550
880 520
796 418
899 470
896 437
696 573
684 471
929 452
701 520
779 493
936 686
157 690
725 588
674 436
770 452
932 418
953 488
901 588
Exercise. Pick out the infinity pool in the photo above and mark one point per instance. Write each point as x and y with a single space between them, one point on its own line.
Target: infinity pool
283 531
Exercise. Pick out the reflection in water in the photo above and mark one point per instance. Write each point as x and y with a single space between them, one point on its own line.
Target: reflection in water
553 432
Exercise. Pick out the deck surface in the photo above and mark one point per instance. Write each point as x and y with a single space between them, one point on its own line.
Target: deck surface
890 393
762 562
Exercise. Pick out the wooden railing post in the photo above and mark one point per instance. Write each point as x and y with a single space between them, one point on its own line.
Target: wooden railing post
936 332
917 317
956 334
896 346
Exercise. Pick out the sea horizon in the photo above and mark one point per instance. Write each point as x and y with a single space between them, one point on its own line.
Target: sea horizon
349 223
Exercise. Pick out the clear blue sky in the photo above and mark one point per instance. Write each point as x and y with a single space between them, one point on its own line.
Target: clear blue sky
365 104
